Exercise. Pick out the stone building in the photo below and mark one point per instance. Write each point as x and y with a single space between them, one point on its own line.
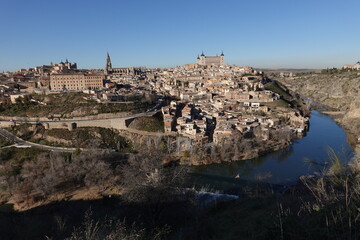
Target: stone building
210 60
77 81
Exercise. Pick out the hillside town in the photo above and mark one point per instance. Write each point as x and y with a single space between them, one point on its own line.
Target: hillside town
218 102
207 101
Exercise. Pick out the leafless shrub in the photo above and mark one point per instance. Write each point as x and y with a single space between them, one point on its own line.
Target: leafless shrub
146 178
107 230
56 173
336 195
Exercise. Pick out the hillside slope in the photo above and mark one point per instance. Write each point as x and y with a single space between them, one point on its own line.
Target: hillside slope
338 91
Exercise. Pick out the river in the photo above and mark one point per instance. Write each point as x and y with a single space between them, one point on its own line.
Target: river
287 165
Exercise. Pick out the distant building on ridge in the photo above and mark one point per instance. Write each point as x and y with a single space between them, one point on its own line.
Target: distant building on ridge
355 66
210 60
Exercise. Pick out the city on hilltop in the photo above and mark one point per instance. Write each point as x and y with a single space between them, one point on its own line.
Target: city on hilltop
208 101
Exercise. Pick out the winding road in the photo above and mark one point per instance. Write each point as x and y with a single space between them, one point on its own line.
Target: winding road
20 143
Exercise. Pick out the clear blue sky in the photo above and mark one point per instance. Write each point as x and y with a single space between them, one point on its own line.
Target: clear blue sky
165 33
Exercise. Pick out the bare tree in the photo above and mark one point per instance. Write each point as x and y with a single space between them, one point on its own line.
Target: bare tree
146 174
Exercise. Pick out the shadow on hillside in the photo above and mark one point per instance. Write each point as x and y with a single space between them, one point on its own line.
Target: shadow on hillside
57 220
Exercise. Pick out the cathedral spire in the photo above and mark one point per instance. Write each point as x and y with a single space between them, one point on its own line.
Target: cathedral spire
108 64
108 61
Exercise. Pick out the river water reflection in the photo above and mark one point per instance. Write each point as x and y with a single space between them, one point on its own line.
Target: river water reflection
287 165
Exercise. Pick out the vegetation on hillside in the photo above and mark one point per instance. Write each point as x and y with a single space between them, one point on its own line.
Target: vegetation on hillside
12 161
275 87
337 70
31 175
248 146
150 124
4 142
67 105
285 95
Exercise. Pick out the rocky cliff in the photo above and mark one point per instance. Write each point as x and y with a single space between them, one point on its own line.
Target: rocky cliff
336 92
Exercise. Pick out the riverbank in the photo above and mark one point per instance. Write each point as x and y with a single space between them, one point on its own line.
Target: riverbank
288 164
338 117
231 153
337 92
